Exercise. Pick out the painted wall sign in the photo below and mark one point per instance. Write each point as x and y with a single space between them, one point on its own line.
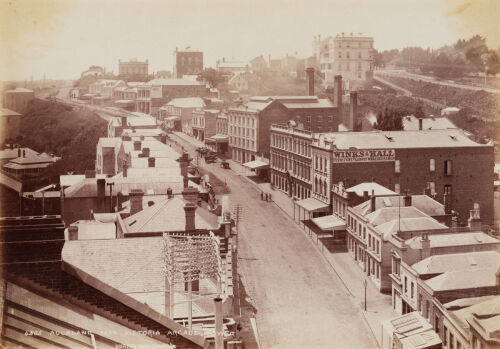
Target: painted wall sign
370 155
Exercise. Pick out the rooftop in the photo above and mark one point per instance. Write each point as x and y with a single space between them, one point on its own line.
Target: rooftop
457 261
189 102
423 203
463 279
370 187
398 139
411 123
454 239
8 112
169 216
409 224
19 89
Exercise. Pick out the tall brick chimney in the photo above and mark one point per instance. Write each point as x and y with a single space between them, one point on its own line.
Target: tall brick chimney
420 124
190 194
310 77
184 161
125 170
101 187
425 244
353 112
136 196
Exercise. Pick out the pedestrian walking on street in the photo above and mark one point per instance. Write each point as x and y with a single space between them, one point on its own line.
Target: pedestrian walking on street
270 199
266 196
262 195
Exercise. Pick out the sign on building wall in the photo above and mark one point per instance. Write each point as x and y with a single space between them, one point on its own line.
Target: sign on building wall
371 155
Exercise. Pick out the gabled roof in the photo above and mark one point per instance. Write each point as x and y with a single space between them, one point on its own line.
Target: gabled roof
457 261
423 203
370 187
388 214
14 153
409 224
167 216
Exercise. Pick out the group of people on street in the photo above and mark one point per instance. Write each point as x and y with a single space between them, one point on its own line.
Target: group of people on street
265 196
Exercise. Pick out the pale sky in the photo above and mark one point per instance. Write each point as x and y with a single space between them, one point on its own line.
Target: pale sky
62 38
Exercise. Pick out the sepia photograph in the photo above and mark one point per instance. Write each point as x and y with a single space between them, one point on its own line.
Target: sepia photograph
250 174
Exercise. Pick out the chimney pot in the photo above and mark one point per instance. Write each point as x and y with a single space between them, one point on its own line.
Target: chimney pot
407 200
151 162
189 210
73 232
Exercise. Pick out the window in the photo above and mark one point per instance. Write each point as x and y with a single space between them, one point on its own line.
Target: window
448 167
447 189
397 166
397 188
452 341
432 187
432 165
406 284
412 289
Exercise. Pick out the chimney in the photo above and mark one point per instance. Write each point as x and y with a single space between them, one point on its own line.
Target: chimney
420 124
310 77
447 203
101 187
407 200
151 162
124 121
136 196
19 152
353 111
185 181
425 244
365 195
190 194
189 210
146 152
24 153
337 90
137 145
73 232
125 170
372 202
427 191
170 193
475 218
184 161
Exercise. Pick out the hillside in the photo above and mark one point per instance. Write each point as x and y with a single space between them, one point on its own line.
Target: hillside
56 128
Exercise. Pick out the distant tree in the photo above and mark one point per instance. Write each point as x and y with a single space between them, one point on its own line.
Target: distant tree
442 66
211 76
492 63
474 49
390 120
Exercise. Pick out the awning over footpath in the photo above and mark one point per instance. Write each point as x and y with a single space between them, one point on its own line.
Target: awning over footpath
331 222
312 205
217 139
256 164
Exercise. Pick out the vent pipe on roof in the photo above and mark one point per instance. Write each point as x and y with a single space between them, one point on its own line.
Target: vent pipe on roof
420 124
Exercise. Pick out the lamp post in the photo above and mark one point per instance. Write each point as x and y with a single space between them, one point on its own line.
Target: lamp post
365 284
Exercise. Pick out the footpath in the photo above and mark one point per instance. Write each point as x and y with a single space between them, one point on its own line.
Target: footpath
350 274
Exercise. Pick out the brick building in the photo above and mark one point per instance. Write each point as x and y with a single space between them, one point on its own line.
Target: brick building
438 161
133 70
18 99
187 62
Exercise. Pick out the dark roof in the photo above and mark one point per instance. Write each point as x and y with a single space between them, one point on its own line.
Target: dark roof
31 258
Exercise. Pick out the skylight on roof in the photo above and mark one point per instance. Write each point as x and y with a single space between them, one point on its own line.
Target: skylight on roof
387 202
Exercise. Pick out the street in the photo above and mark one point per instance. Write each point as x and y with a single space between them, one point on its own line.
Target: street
300 302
